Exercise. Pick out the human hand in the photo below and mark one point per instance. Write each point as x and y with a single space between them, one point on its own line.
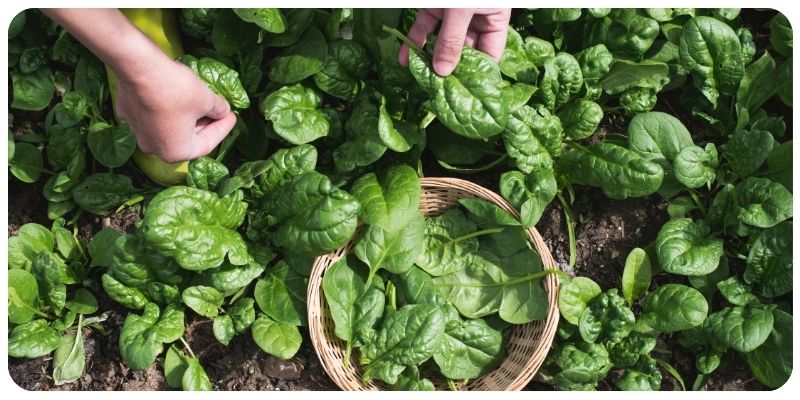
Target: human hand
172 112
482 28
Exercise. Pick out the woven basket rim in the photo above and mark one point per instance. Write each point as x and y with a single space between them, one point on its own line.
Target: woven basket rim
515 371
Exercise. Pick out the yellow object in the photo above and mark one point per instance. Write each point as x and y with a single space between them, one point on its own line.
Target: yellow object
160 26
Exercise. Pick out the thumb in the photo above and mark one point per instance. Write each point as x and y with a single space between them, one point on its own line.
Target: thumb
208 136
217 107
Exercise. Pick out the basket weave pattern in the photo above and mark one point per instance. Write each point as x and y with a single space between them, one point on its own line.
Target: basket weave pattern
527 346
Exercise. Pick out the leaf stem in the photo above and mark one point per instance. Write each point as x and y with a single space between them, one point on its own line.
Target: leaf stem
696 199
403 38
570 221
186 345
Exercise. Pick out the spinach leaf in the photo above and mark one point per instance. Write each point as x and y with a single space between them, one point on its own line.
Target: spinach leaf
580 119
346 67
31 240
487 214
204 300
268 19
470 101
23 293
313 216
142 337
771 362
102 192
32 339
122 294
711 52
562 78
83 302
409 336
674 307
282 295
275 338
758 84
112 146
737 293
181 219
628 351
223 328
449 241
32 91
620 172
781 35
410 380
747 150
26 165
297 21
300 60
69 357
659 137
644 375
606 319
48 270
220 78
295 114
195 378
743 328
685 247
582 366
761 202
468 348
636 275
573 297
389 200
769 263
206 173
393 250
694 166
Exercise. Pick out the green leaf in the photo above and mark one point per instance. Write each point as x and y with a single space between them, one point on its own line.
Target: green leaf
409 336
487 214
711 52
574 295
282 295
111 145
26 164
280 340
735 291
220 78
448 242
694 167
769 263
31 240
674 307
32 91
345 68
67 244
284 165
746 151
242 313
779 164
142 337
297 21
758 84
103 192
707 284
174 367
561 80
390 200
313 216
300 60
206 173
295 114
228 278
642 376
636 275
620 172
33 339
470 101
625 75
685 247
69 358
223 329
627 352
101 247
582 366
781 34
410 380
453 148
762 203
743 328
23 293
83 302
204 300
606 319
394 250
771 362
48 270
268 19
580 119
468 348
181 219
195 378
659 137
122 294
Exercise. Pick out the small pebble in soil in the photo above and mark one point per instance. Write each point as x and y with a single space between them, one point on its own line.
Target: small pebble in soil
283 369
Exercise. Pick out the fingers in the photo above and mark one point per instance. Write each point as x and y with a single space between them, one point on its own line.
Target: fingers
424 24
472 38
492 43
217 106
210 133
450 41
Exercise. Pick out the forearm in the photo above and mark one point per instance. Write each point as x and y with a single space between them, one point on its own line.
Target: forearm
112 38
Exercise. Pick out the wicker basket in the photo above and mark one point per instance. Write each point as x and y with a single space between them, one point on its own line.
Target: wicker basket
527 346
